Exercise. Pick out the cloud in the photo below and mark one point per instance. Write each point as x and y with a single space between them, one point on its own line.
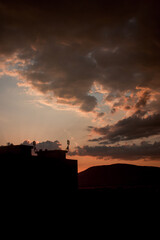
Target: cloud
143 100
125 152
100 114
49 145
66 46
130 128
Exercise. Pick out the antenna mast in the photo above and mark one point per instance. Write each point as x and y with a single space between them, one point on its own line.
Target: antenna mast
68 143
34 146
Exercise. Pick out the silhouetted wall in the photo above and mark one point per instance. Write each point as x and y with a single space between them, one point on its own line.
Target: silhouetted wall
40 175
15 150
56 154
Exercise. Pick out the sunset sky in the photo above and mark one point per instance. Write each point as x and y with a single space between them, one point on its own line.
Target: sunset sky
87 71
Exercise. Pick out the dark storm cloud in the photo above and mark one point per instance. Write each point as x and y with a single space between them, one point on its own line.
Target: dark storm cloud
130 128
126 152
67 45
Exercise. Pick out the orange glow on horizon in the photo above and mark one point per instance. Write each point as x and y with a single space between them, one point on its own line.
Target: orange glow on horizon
85 162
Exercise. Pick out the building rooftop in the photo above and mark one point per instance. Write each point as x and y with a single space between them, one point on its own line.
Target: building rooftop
57 154
16 150
47 172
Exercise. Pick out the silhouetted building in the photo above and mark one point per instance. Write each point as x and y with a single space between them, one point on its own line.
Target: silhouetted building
44 174
15 151
56 154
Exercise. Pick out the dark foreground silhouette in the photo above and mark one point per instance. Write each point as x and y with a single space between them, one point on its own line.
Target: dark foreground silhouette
49 175
119 180
35 177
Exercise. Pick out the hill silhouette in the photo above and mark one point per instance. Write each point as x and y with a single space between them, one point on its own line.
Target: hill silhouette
119 176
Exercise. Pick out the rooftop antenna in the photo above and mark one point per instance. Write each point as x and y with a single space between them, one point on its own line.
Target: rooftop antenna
34 146
68 143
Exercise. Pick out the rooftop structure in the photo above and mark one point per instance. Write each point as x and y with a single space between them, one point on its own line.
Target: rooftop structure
16 150
55 154
47 171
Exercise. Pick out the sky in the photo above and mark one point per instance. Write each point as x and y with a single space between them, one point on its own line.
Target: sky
85 71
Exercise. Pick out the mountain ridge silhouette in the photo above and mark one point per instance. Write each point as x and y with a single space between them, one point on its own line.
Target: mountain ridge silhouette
119 175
